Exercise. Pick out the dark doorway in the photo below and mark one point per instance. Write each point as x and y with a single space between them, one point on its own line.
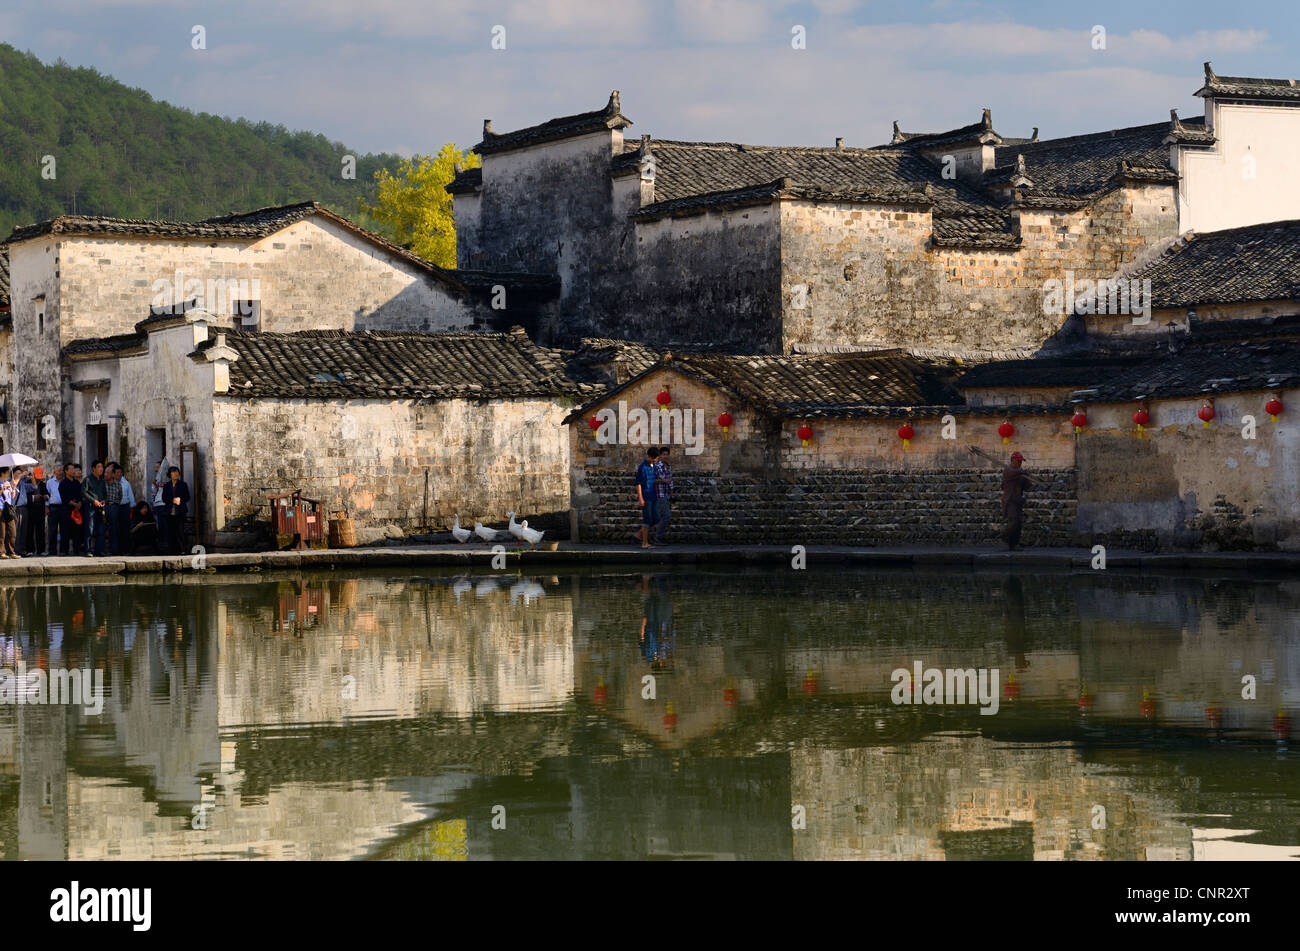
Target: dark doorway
96 444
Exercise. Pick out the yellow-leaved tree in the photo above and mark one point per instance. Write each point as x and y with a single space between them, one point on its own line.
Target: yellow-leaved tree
413 208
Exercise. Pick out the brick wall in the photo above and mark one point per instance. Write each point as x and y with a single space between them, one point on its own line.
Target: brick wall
858 507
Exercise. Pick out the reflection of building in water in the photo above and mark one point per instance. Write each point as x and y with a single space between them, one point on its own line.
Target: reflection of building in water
391 649
975 798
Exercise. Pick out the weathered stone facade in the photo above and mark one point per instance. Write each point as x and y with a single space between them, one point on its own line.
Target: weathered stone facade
397 467
1181 484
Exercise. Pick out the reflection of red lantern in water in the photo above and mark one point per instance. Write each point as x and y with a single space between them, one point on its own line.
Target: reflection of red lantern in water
1011 690
670 718
1281 724
729 696
810 684
1147 707
1085 699
600 694
1214 716
1006 431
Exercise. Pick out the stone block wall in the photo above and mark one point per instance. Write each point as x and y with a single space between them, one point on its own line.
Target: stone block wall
1185 485
483 459
846 506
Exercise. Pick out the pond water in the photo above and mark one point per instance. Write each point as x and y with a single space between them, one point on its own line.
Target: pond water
747 714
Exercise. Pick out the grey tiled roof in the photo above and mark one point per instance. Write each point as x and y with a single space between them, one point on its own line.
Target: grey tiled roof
1245 87
1238 265
1082 165
253 224
336 364
693 176
88 346
1071 371
981 131
821 384
467 180
562 128
1207 368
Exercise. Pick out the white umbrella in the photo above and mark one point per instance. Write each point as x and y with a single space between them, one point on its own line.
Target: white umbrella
12 459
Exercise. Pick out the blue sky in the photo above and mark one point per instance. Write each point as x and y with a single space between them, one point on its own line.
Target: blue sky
408 75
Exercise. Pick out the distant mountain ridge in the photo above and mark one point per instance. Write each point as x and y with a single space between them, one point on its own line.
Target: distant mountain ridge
117 151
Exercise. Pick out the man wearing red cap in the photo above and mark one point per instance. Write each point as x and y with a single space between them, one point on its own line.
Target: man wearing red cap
1014 483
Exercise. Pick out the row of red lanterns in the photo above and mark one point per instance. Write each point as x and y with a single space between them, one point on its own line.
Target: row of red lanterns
906 433
1206 413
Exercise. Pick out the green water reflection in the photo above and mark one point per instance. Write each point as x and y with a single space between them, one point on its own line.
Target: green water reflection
370 716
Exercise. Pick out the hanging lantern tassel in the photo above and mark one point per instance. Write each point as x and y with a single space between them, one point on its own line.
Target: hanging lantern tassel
805 435
905 433
1206 412
1274 408
1006 431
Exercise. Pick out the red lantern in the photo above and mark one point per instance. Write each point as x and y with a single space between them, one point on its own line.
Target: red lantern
1147 707
1206 412
905 433
725 421
1079 420
1274 408
1006 431
805 434
1012 688
1141 417
1214 716
595 423
663 399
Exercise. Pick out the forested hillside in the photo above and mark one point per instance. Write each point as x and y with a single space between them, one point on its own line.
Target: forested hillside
117 151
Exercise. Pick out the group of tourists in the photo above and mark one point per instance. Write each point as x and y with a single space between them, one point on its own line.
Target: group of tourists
96 513
654 493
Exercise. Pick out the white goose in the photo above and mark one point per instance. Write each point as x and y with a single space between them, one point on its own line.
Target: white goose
460 534
515 528
530 535
485 533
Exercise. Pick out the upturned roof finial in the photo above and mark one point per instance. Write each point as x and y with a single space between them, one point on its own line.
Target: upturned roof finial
898 133
613 106
987 120
487 128
1209 73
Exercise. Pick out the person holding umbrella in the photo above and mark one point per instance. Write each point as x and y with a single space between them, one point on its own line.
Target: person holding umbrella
8 515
